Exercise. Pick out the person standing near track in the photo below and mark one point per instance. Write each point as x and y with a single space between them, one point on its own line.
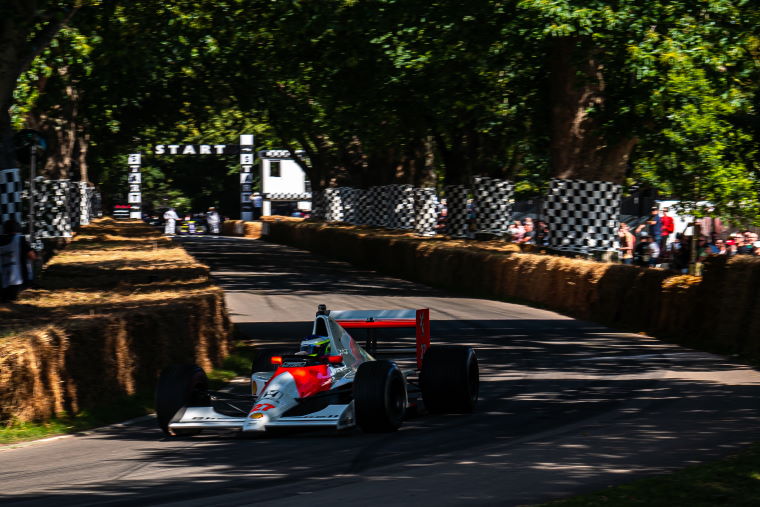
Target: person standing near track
171 218
212 219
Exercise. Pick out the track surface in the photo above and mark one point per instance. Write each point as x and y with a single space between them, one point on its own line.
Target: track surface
566 407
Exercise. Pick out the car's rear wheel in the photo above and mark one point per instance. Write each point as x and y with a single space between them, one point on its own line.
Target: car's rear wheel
450 379
180 386
379 397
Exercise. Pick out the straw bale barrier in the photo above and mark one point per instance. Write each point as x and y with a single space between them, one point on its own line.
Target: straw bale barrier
111 310
719 311
252 229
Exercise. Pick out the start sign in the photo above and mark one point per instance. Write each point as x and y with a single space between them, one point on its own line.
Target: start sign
190 149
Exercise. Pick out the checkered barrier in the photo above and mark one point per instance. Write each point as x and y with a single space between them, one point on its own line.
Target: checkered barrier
344 204
10 195
493 202
456 211
73 205
318 205
425 211
287 196
351 199
370 210
400 211
51 208
583 215
333 205
85 203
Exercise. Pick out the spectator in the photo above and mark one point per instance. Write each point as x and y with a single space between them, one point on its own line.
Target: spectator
680 253
258 204
541 237
529 236
654 226
627 244
515 231
720 247
731 247
213 221
647 251
667 228
16 257
443 214
704 249
170 217
746 246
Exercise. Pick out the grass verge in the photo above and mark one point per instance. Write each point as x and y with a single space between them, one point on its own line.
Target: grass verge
732 481
117 411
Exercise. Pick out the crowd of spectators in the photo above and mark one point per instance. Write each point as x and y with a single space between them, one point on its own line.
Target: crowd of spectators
656 243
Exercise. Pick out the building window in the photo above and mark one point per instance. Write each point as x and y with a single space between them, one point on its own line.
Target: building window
307 186
274 168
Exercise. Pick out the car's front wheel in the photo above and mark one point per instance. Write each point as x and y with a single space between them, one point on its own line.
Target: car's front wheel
180 386
379 397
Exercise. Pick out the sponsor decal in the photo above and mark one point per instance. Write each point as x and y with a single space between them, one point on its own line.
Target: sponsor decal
272 394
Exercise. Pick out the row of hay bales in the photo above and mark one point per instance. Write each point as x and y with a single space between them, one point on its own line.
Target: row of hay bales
112 309
252 229
718 311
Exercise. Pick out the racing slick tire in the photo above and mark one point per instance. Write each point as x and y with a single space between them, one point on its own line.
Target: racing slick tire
180 386
379 397
450 379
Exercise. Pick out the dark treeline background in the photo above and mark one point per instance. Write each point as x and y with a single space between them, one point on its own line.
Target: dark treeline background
662 93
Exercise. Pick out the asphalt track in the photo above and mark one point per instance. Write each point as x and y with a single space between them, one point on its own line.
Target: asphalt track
566 407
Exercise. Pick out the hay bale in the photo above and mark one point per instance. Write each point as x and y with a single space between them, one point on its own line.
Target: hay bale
740 293
252 230
111 337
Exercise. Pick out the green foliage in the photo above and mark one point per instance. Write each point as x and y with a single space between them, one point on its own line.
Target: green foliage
372 89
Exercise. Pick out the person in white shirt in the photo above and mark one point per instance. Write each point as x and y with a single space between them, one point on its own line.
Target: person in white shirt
171 218
212 219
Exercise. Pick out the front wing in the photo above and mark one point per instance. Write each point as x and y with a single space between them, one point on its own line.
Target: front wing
200 418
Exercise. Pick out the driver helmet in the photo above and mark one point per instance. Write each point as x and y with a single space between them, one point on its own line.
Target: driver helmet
315 346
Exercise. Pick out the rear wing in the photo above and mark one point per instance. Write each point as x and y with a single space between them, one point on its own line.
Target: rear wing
373 319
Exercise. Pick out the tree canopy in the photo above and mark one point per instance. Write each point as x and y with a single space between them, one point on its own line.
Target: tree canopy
656 92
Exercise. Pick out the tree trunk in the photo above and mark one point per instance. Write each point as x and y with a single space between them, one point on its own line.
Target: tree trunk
26 29
579 149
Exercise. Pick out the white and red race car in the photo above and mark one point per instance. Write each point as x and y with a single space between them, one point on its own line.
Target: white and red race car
332 382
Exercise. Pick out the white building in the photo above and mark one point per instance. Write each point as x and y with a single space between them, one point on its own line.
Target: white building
283 181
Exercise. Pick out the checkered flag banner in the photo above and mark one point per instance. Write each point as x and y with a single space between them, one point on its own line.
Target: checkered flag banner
318 204
425 211
10 195
493 202
370 210
582 215
73 205
85 203
456 211
400 206
392 206
333 205
51 211
342 204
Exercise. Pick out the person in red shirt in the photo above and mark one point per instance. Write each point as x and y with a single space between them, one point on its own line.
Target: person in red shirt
667 228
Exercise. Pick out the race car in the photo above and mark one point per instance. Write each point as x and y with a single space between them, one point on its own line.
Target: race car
330 382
